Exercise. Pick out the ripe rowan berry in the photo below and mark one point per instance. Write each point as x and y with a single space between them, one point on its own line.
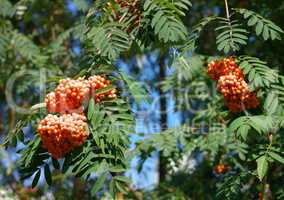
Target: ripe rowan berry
62 134
70 94
260 196
232 84
132 13
100 82
226 66
221 169
51 102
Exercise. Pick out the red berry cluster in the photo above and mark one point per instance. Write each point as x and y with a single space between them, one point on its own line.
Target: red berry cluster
70 94
133 12
62 134
232 84
226 66
221 169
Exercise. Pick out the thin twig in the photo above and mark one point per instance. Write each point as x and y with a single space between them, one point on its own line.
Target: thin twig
227 9
229 19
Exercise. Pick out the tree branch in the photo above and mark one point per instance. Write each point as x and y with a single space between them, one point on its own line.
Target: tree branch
227 9
229 19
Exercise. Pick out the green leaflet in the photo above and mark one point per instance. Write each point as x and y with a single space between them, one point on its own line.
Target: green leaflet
99 183
165 18
258 72
36 178
276 156
262 166
135 88
47 174
231 35
264 27
109 40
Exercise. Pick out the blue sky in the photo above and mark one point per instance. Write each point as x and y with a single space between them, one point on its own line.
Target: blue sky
147 118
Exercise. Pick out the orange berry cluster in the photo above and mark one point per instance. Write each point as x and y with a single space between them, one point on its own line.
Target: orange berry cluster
232 84
99 82
62 134
220 169
133 12
70 94
226 66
